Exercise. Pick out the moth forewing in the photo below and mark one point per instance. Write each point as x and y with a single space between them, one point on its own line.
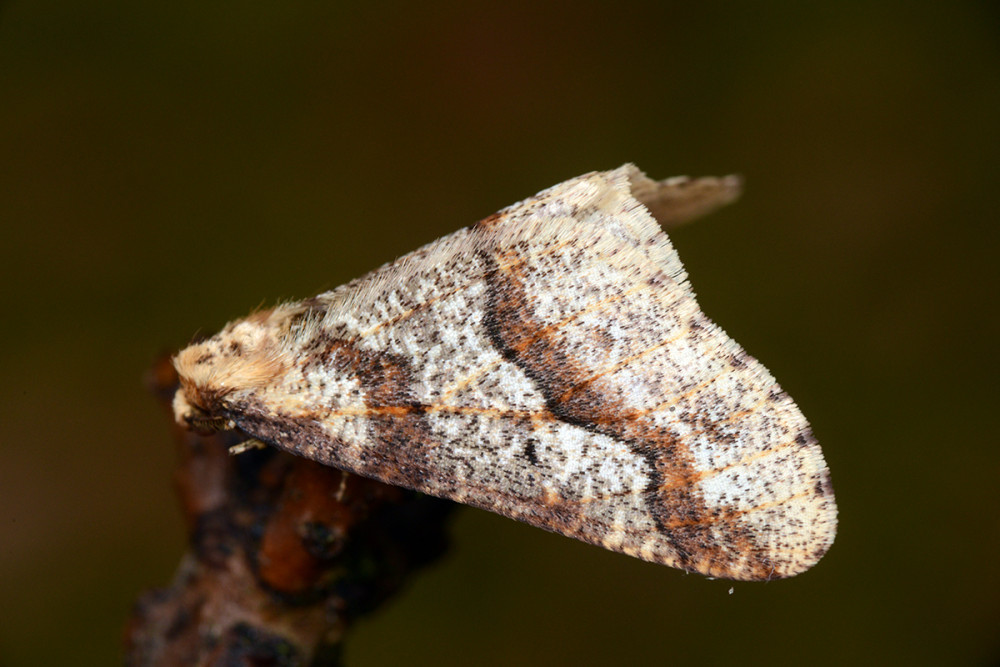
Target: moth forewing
551 364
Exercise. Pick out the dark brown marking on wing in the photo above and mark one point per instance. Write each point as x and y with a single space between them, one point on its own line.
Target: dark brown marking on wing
399 436
400 443
678 510
302 436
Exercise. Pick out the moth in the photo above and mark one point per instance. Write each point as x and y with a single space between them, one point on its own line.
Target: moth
549 363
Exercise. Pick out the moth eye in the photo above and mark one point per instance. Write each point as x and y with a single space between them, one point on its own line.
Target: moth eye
206 424
209 425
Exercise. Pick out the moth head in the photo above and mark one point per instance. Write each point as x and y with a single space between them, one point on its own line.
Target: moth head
242 358
196 418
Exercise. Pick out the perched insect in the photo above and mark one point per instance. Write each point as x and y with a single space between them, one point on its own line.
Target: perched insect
549 363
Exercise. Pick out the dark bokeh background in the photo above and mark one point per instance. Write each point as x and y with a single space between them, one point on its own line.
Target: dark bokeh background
166 167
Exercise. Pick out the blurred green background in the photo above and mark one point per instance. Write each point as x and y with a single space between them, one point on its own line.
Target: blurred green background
165 167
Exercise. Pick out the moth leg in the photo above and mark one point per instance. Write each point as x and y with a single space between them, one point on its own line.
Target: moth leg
246 446
342 487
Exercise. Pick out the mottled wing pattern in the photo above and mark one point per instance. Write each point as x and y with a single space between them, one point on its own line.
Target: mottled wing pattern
551 364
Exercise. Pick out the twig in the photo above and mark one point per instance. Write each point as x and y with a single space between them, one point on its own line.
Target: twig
284 554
